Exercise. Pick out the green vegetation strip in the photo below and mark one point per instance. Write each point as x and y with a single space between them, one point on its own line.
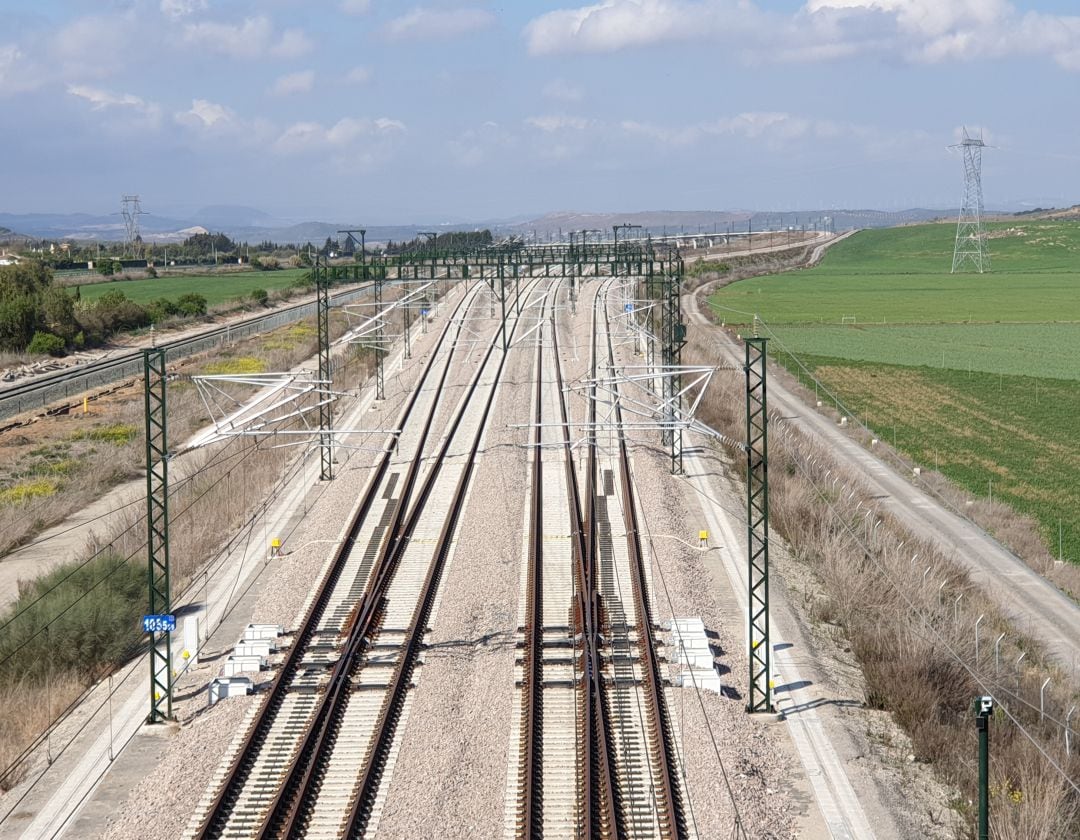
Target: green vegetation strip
1046 350
901 276
1014 436
216 288
86 635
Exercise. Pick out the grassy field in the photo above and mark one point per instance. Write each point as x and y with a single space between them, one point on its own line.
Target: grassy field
974 374
216 288
1014 436
901 276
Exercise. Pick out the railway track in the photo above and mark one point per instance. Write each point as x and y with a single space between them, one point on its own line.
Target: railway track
315 756
595 755
43 391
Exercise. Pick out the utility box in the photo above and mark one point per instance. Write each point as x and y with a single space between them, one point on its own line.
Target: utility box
243 665
256 632
223 687
261 648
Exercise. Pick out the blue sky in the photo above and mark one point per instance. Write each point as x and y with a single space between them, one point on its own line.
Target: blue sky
378 111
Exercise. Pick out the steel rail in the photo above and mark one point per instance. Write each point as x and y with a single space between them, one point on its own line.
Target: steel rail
530 773
216 820
601 806
670 811
319 743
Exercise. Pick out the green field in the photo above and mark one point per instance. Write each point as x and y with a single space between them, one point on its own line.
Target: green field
975 374
216 288
901 276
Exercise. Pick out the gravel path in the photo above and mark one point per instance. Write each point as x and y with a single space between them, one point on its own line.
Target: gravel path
450 773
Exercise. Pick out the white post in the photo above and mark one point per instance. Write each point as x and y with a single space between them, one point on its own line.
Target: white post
977 623
1042 699
191 640
997 651
1068 751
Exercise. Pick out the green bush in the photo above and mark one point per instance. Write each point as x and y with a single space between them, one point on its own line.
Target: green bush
191 304
259 296
161 309
92 619
117 313
44 342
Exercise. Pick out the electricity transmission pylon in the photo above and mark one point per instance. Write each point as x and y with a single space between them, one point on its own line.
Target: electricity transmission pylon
131 210
970 240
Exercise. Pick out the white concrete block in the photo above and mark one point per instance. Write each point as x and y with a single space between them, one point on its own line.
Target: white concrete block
706 679
261 648
256 632
243 665
223 687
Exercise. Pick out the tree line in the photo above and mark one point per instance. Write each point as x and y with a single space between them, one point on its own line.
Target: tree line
38 316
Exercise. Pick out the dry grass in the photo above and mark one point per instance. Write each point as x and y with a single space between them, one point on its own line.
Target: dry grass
915 644
230 482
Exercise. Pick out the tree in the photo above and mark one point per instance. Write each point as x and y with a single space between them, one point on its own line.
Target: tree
260 296
22 287
58 312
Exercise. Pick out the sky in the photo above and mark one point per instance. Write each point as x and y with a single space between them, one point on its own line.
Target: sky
378 112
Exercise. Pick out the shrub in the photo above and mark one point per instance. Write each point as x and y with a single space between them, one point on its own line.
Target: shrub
118 313
44 342
191 304
24 491
160 309
92 615
260 296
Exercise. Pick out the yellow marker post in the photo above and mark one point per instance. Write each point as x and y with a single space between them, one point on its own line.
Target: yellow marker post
703 539
275 546
85 405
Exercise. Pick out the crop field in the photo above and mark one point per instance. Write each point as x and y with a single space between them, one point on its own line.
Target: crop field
1012 436
975 375
216 288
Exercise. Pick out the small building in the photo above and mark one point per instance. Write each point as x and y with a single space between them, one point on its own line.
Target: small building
10 259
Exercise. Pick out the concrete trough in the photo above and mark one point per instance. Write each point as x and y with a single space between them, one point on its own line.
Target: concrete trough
703 678
261 648
260 632
243 665
223 687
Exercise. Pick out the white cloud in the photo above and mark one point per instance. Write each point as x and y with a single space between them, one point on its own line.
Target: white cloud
477 146
355 7
775 129
552 123
424 24
177 9
561 90
921 31
254 38
359 76
92 46
618 24
344 134
291 83
206 115
13 74
136 109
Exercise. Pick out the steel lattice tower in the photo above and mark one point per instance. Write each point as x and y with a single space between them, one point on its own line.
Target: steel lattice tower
970 240
131 210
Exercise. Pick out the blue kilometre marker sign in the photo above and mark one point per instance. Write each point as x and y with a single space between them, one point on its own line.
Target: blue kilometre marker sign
158 623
